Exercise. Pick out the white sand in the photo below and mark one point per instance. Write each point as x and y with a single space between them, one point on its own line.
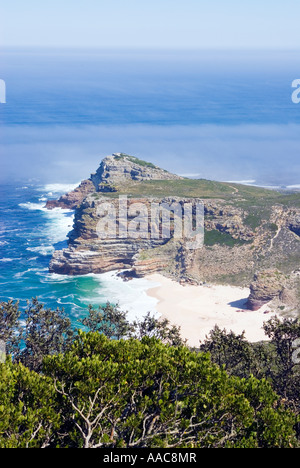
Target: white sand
197 309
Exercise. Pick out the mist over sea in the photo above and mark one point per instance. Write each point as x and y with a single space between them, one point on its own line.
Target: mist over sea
216 115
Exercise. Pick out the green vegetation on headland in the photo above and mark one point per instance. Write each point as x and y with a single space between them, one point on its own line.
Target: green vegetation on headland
243 195
133 159
117 384
221 238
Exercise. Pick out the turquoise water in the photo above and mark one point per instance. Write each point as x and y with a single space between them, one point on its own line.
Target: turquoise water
28 236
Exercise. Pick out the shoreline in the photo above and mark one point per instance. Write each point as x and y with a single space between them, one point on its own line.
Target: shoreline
197 309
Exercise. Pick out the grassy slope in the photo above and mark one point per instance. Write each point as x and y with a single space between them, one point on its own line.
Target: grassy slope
257 203
240 195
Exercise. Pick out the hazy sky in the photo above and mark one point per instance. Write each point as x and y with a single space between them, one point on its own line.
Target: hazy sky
176 24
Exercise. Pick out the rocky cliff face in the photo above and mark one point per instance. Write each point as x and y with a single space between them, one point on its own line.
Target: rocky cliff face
96 250
90 251
274 288
294 225
242 236
120 168
267 285
71 200
114 170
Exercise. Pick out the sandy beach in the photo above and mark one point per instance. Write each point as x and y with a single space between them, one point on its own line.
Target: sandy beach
197 309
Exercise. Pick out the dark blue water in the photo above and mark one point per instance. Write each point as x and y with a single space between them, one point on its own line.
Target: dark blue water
166 88
219 115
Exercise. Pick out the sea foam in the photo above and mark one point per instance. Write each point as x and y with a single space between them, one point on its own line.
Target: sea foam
59 188
59 223
130 295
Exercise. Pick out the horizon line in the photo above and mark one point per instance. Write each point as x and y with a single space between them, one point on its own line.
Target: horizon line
146 48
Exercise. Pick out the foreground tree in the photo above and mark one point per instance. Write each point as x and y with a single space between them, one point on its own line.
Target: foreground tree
157 328
232 351
113 323
109 320
29 415
148 390
10 329
46 332
285 372
131 393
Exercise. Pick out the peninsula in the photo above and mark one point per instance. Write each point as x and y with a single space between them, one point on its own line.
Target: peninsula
252 235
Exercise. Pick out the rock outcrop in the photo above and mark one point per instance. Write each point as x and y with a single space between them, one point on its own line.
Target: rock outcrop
114 170
71 200
120 168
267 285
245 231
93 249
294 224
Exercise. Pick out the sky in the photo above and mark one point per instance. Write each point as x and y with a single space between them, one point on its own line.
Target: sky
158 24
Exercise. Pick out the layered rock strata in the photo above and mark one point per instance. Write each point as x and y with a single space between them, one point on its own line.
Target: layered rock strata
241 237
96 246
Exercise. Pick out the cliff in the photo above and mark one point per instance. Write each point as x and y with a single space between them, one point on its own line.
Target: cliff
267 285
114 170
247 229
273 287
71 200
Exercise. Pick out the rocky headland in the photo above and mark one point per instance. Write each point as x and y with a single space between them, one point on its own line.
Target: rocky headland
114 170
247 230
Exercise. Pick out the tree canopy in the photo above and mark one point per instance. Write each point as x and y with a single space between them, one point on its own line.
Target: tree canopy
141 386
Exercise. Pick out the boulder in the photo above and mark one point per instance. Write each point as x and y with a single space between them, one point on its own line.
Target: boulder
267 285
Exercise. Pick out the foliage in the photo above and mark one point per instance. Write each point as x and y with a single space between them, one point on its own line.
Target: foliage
131 393
46 332
222 238
62 389
232 351
143 393
135 160
113 323
272 360
28 411
286 372
158 328
109 320
10 330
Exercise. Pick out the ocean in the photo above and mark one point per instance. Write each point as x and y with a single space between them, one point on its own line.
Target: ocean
29 234
217 115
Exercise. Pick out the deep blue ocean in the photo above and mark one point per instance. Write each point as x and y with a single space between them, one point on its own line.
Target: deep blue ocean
218 115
